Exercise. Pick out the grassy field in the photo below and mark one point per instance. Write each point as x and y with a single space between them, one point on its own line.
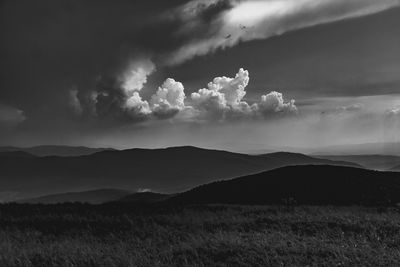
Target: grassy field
124 235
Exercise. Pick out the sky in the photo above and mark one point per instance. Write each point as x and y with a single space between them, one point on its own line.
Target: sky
228 74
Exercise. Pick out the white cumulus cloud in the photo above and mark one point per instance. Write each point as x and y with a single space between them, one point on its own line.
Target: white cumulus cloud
136 106
223 99
135 76
133 80
223 93
274 103
169 98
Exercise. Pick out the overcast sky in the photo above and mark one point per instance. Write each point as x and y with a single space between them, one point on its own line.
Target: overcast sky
232 74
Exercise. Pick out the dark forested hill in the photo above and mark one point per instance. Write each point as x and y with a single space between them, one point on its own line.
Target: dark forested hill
303 185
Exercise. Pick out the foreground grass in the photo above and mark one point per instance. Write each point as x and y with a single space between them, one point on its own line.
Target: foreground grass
123 235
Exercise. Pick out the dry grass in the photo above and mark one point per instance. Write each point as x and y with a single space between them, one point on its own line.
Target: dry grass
123 235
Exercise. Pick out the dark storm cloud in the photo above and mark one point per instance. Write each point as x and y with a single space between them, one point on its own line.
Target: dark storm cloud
164 34
87 64
201 27
49 47
108 100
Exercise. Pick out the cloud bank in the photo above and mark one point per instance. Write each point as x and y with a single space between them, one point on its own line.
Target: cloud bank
197 28
222 99
200 27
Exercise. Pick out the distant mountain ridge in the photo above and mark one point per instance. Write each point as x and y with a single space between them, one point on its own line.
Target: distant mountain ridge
392 149
93 197
52 150
99 196
396 168
16 154
167 170
145 197
320 185
373 162
378 148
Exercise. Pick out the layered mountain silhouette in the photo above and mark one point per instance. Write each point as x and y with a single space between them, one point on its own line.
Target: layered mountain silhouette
145 197
389 148
16 154
99 196
395 168
373 162
64 151
167 170
92 197
319 185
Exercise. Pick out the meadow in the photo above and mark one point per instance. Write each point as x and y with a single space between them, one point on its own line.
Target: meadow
121 234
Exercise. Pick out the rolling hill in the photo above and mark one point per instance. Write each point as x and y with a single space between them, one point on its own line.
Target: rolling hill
62 151
395 168
144 197
167 170
333 185
92 197
373 162
389 148
15 154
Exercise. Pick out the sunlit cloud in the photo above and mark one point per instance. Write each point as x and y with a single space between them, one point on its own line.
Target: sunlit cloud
136 74
222 99
261 19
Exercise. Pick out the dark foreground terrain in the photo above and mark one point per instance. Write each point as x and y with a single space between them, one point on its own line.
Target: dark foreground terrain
121 234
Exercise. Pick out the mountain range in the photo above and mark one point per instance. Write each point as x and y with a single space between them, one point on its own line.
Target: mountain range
52 150
306 184
395 168
388 148
379 148
93 197
373 162
167 170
